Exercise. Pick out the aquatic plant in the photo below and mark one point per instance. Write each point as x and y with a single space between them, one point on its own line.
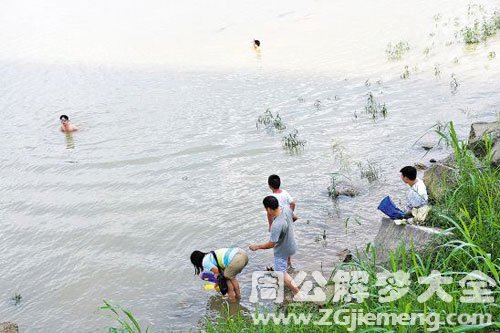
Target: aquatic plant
437 70
340 153
317 104
481 30
292 142
406 73
126 320
454 84
491 55
375 109
270 121
397 51
370 171
332 188
348 220
16 299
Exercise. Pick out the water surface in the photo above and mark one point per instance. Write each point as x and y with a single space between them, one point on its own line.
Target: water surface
169 159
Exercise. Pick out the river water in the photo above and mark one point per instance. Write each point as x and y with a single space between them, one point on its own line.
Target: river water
169 158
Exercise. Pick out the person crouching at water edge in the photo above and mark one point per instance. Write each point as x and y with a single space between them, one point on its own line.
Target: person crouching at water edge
66 125
226 261
282 239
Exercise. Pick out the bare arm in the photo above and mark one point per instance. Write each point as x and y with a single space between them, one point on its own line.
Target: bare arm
215 270
265 246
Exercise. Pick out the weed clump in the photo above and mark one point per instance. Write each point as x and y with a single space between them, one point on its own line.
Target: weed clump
370 171
454 84
406 73
332 188
481 30
437 70
340 153
16 299
397 51
292 142
375 109
270 121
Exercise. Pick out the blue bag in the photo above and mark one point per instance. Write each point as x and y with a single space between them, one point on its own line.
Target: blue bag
390 209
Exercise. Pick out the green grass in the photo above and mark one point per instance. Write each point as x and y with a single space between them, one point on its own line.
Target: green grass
125 320
473 205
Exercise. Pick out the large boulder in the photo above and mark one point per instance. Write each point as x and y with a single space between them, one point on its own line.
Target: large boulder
391 237
8 328
439 177
476 140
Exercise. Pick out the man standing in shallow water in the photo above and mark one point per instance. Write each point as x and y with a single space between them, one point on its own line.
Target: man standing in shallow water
282 239
66 125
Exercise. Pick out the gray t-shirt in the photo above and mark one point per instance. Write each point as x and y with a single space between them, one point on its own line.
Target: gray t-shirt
282 234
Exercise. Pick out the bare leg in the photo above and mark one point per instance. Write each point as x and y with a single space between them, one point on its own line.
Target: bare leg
290 283
230 292
236 286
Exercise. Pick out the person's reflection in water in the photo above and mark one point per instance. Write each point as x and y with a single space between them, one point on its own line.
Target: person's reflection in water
70 142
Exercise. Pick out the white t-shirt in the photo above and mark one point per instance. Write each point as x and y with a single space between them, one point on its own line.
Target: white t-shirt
417 195
284 198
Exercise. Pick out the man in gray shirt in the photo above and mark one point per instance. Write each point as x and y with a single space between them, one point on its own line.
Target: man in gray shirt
282 239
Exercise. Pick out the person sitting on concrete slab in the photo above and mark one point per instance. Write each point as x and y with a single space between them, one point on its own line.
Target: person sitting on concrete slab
417 199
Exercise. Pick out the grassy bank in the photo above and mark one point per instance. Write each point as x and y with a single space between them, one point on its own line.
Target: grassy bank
469 210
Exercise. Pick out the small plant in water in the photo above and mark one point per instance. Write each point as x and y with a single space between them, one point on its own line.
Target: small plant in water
370 171
454 84
397 51
16 299
270 121
492 55
340 153
375 109
332 188
437 70
406 73
317 104
292 142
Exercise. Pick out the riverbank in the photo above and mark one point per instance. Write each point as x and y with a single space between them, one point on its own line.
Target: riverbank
469 210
